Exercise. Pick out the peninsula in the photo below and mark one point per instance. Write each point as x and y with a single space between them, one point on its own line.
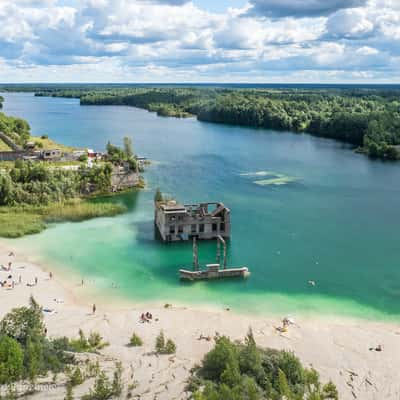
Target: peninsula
43 182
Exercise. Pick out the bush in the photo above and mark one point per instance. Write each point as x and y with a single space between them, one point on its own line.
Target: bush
164 347
236 371
76 377
160 342
103 389
44 137
135 340
91 344
170 347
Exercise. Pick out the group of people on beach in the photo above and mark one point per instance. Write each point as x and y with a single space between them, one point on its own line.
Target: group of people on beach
146 317
9 283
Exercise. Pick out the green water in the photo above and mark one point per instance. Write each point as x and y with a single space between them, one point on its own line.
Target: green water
303 208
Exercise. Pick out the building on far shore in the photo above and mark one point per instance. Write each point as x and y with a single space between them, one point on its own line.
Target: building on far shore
176 222
52 155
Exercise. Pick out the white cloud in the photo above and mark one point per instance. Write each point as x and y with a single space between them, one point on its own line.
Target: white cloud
367 51
137 39
351 23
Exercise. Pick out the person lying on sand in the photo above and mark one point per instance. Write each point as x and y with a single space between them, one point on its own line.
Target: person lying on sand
146 317
377 348
202 337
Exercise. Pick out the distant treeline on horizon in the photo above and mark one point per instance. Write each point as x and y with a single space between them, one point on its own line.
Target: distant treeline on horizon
240 85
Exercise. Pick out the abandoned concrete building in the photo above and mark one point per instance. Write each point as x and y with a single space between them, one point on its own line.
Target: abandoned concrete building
176 222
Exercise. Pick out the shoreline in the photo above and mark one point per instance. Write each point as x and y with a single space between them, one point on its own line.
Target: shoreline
115 300
335 346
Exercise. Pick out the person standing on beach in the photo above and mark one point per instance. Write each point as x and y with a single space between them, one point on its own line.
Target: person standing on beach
50 275
20 279
36 280
94 308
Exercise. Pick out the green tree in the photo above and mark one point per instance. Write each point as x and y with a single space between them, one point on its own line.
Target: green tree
128 147
231 374
33 359
11 360
160 342
215 362
23 322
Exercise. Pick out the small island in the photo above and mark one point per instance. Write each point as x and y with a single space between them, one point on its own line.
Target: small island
42 181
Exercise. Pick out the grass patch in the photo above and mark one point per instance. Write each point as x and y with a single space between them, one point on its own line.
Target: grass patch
48 144
17 223
25 220
79 210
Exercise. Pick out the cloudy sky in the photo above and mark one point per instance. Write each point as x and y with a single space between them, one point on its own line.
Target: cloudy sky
200 41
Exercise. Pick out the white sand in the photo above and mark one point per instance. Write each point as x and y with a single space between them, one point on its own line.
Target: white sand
336 347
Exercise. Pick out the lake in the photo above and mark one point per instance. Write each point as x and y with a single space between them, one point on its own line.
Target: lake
303 208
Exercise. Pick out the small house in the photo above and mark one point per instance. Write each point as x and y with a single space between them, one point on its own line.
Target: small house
52 155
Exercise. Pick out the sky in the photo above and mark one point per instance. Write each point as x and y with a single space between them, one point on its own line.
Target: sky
254 41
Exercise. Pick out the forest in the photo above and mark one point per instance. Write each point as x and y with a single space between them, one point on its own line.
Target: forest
368 119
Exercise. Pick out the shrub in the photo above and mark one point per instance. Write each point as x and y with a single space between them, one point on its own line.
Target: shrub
135 340
91 344
76 377
235 371
164 347
170 347
103 389
44 137
160 342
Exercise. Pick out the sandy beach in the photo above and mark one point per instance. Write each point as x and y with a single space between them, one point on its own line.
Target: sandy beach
338 348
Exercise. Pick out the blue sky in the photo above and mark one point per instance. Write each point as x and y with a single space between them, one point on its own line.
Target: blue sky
200 41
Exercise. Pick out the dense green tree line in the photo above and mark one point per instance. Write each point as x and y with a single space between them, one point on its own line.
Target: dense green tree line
38 184
366 118
244 371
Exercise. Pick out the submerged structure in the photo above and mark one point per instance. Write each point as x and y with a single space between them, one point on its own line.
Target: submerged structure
175 221
212 271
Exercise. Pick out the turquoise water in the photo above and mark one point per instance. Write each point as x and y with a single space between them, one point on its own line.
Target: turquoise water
334 218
